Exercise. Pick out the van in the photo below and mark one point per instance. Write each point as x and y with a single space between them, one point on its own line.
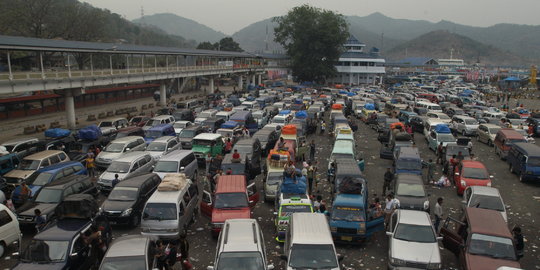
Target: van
344 167
127 165
309 244
112 124
188 104
187 134
128 250
524 160
118 147
465 125
241 243
8 163
205 143
169 212
177 161
246 119
21 146
158 131
225 115
342 149
204 115
408 161
34 162
430 107
159 120
252 148
504 139
405 116
9 229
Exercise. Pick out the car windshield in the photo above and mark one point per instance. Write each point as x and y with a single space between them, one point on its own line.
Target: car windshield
156 147
153 134
40 251
348 213
166 166
160 211
39 179
115 147
492 246
180 124
475 173
123 194
312 256
512 141
203 142
274 178
119 167
243 148
47 195
152 123
136 119
487 202
29 165
124 263
446 137
409 164
240 261
288 209
105 124
415 233
471 122
231 200
443 116
187 134
412 190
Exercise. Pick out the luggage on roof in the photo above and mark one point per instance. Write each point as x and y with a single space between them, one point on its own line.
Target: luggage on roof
90 133
173 182
57 133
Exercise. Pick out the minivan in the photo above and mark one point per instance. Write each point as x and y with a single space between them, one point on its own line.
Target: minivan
171 209
524 160
110 125
159 120
187 134
21 146
117 147
309 244
125 203
158 131
465 125
163 145
34 162
408 161
127 165
504 140
129 251
177 161
9 229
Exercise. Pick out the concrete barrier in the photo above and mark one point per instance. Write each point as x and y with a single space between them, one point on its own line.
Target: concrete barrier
91 117
30 130
102 115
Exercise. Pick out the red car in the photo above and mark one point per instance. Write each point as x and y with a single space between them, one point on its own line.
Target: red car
139 120
471 173
232 199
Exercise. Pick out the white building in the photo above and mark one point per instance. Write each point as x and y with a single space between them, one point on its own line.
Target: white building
451 62
356 67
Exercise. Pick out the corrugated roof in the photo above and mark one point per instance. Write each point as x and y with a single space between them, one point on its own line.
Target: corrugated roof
352 40
39 44
415 61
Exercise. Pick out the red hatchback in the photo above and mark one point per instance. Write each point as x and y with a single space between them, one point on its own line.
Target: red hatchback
471 173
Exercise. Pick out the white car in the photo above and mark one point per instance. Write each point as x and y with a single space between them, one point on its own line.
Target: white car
485 197
442 117
179 125
162 146
9 229
413 241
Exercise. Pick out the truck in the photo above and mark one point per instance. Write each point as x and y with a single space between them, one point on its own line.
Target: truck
297 143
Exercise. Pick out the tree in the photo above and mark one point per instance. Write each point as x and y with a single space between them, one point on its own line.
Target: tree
228 44
313 39
206 46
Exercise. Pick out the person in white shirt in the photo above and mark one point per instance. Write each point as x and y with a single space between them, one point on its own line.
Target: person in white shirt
438 212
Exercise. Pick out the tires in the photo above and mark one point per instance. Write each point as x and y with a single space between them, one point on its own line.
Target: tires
2 249
521 179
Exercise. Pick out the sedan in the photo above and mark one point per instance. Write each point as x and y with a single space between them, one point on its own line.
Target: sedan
486 198
471 173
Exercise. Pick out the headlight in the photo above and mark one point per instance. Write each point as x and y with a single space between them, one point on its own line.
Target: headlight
333 229
433 266
463 183
397 262
426 205
127 212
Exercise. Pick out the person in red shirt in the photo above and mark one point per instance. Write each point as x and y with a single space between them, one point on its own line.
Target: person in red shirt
235 156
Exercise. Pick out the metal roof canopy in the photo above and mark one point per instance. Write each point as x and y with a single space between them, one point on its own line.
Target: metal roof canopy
54 45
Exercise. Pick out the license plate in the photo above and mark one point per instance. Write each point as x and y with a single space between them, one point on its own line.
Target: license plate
346 238
112 222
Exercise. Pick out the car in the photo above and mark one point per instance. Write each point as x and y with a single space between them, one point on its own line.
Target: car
179 125
440 135
162 146
268 138
471 173
130 252
465 125
409 190
253 150
139 120
118 147
128 165
187 134
413 242
34 162
440 116
9 229
486 133
523 159
485 198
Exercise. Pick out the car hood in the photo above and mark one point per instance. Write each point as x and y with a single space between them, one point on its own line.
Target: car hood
116 205
200 149
408 202
184 140
37 266
479 262
415 252
46 208
220 216
108 155
109 176
19 174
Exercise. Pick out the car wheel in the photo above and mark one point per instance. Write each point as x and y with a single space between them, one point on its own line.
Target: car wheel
135 220
2 249
521 179
511 168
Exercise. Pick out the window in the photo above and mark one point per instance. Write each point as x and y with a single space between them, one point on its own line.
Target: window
54 159
68 191
45 163
62 156
77 168
5 218
67 171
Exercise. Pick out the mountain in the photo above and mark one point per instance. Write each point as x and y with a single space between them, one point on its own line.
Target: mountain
252 38
438 44
522 40
180 26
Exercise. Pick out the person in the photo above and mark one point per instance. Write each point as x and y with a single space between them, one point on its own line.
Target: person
518 238
310 174
440 153
361 164
323 126
438 212
317 203
208 160
171 257
235 157
160 255
90 166
391 204
375 209
460 157
409 130
530 130
40 220
228 145
115 180
312 150
431 171
281 144
388 177
215 179
331 171
9 203
245 132
26 192
184 251
453 163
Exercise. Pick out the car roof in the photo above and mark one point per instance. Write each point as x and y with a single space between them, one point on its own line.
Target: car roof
161 117
318 231
65 181
485 221
43 154
528 149
130 245
160 127
231 184
59 166
20 140
163 139
510 133
483 190
127 139
408 152
130 156
246 141
410 178
136 181
208 136
175 155
237 235
112 119
414 217
63 230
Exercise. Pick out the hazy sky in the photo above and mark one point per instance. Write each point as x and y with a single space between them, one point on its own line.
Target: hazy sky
230 16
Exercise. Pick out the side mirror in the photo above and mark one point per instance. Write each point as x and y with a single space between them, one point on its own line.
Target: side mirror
182 168
389 233
439 238
270 267
491 176
127 149
283 257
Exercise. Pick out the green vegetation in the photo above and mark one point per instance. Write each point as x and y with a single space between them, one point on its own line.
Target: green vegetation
225 44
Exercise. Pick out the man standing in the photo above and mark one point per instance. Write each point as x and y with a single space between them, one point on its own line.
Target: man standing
26 192
440 153
518 238
312 151
90 166
438 213
388 177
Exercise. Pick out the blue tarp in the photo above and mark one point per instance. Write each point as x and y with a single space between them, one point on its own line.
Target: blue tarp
230 124
89 133
294 186
369 106
301 114
284 112
351 94
512 79
57 133
442 128
343 92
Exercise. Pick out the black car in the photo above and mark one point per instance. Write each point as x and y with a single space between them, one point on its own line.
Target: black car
187 134
268 138
252 148
184 115
409 190
48 198
62 245
417 123
213 124
125 203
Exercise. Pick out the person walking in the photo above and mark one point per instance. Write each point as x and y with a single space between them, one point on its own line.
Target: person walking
388 177
438 212
115 181
312 151
90 165
440 153
26 192
518 238
323 126
431 171
310 176
184 252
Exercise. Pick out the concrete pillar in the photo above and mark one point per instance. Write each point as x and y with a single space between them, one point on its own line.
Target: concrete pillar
253 79
240 83
70 108
211 85
163 94
259 79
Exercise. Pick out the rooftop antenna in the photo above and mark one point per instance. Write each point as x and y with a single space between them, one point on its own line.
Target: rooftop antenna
142 15
266 38
382 42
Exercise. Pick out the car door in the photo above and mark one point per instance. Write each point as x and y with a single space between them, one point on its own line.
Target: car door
374 225
253 194
451 239
79 255
206 204
432 138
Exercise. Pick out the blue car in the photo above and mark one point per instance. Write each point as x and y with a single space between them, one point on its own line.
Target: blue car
46 175
158 132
